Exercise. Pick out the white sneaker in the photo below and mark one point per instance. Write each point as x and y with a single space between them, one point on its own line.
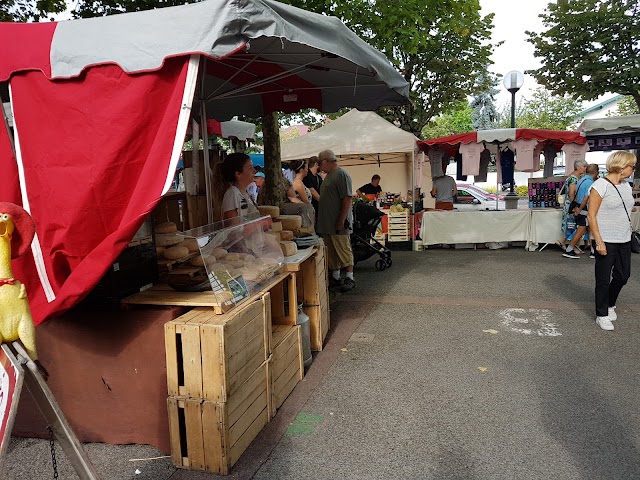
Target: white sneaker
613 316
604 323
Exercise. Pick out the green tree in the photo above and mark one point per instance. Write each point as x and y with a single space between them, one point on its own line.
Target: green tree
589 48
627 106
543 110
29 10
439 46
457 120
485 115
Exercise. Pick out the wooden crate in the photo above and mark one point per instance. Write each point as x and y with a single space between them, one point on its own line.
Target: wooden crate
314 295
398 238
210 355
211 436
286 366
284 307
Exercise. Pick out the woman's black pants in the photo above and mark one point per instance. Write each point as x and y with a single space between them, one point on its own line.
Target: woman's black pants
612 272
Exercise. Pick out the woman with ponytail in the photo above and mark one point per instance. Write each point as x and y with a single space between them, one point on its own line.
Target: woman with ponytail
237 171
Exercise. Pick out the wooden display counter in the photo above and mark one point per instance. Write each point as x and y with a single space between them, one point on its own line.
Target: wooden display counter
229 371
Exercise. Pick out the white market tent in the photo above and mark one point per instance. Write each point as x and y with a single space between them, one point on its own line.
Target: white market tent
612 133
365 144
610 125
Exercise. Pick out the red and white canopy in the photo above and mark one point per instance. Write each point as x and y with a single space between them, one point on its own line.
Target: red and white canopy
505 135
101 106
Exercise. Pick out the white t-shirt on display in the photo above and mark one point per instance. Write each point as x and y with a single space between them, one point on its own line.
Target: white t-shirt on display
526 159
613 222
471 158
573 152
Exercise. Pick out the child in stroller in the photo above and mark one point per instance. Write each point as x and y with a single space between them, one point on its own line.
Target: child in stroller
366 218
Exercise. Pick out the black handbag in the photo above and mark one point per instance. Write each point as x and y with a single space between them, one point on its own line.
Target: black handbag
635 236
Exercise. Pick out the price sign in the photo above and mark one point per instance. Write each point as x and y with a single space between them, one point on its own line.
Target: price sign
11 376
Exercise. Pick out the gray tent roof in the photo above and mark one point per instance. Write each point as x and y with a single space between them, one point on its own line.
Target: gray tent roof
610 125
258 47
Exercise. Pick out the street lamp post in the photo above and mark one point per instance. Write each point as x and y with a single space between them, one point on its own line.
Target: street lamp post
513 81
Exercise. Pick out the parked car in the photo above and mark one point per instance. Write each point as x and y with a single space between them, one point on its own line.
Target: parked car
479 190
471 197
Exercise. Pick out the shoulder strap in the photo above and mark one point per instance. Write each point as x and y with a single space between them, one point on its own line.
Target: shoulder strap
620 195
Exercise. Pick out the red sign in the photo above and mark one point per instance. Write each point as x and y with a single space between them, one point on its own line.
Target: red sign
11 375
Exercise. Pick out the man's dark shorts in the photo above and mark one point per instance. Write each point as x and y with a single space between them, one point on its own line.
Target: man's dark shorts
581 221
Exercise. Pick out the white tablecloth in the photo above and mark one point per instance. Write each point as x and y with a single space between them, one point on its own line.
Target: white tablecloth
475 227
536 227
545 226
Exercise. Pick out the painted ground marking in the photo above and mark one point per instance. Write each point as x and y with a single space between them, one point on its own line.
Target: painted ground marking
530 321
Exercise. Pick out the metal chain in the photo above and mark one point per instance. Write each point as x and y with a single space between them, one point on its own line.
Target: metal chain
52 446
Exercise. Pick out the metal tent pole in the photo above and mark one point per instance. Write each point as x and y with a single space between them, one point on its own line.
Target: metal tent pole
205 142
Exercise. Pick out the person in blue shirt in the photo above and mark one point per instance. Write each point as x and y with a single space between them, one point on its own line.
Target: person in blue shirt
580 212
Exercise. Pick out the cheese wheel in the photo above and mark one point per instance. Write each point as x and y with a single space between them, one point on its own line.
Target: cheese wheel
269 210
229 257
219 253
175 253
168 239
200 261
276 227
166 227
275 235
288 248
286 235
290 222
191 244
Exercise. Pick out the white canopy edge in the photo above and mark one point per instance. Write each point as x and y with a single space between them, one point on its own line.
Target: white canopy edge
610 125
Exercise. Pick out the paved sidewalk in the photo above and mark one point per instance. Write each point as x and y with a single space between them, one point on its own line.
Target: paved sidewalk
453 364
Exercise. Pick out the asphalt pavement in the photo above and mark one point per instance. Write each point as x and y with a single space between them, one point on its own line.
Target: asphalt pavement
452 364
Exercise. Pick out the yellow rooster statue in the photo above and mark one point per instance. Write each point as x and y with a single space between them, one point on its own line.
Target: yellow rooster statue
16 322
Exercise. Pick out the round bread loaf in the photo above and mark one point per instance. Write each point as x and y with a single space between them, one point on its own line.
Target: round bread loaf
247 257
176 253
229 257
200 261
236 263
160 250
219 253
191 244
250 274
166 227
168 239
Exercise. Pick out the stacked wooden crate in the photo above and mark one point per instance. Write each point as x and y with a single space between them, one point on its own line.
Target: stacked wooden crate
398 227
313 293
218 382
285 366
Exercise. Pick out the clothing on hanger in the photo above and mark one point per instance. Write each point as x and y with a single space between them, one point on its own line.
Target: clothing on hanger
485 159
471 158
526 160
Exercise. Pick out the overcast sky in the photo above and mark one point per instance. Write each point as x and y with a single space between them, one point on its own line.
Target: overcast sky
511 20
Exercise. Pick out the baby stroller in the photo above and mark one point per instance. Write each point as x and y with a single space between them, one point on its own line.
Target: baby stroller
366 218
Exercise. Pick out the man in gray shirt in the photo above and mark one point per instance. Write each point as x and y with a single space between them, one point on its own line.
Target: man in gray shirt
335 220
444 189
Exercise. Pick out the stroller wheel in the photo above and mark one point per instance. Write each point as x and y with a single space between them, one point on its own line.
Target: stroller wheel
388 262
380 264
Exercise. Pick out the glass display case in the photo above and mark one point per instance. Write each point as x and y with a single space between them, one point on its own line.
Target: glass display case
238 255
